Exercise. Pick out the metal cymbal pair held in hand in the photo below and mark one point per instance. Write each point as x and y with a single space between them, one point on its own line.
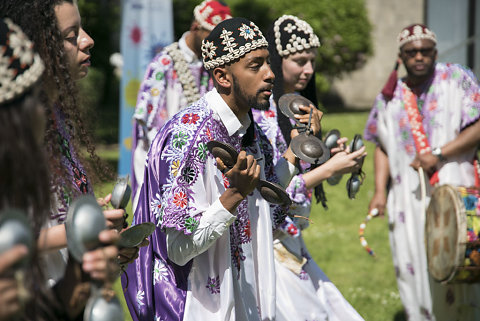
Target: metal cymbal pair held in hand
271 192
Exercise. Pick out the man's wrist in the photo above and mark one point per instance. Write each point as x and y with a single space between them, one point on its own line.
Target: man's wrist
437 151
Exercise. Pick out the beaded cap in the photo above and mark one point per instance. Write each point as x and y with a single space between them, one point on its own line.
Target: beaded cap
20 66
293 35
230 40
415 32
211 13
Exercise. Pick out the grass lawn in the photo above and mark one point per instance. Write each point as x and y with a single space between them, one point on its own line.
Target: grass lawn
367 283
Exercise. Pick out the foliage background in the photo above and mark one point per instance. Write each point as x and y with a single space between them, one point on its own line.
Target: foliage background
342 26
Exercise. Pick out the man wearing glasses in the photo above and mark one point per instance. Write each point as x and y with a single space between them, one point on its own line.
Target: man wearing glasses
429 120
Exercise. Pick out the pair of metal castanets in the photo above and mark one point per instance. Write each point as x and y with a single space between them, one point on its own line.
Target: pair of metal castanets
310 148
85 221
271 192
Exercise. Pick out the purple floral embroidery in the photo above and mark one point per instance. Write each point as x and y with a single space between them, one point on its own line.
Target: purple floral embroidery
213 285
401 217
410 268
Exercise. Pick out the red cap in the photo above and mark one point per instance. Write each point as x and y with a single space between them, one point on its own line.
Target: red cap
211 13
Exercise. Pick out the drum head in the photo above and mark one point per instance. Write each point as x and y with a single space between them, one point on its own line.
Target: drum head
99 309
289 105
310 149
331 138
14 230
134 235
85 220
225 152
273 193
121 193
445 233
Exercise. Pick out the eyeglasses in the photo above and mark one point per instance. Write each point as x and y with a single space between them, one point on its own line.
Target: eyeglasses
426 52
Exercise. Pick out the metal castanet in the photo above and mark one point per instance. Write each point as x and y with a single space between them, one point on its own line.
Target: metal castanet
271 192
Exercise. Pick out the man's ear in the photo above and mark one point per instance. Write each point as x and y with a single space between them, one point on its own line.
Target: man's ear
222 77
194 26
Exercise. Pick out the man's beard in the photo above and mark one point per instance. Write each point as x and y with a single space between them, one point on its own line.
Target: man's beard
251 101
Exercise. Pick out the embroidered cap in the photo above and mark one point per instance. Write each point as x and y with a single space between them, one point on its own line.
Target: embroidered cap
20 66
415 32
292 35
230 40
211 13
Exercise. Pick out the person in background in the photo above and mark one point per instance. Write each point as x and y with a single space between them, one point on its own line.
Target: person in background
303 290
174 79
445 100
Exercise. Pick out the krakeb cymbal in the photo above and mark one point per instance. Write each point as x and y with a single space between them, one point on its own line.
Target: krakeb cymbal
121 193
225 152
85 220
273 193
14 230
134 235
310 149
331 138
289 105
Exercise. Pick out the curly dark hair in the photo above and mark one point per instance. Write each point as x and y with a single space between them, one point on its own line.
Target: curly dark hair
38 20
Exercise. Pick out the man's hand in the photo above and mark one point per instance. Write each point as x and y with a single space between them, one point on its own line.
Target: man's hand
244 175
243 178
9 294
378 201
426 161
316 117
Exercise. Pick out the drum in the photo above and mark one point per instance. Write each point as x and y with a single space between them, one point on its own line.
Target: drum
452 229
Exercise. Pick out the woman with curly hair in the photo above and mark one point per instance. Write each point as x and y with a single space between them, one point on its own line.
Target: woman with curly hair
303 290
55 28
25 189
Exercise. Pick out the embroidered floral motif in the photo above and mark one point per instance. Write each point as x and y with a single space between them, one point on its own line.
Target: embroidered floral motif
160 271
179 140
156 208
180 199
213 285
174 168
202 151
190 118
191 224
140 298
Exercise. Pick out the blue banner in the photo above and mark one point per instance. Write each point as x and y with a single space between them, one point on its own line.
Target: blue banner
147 27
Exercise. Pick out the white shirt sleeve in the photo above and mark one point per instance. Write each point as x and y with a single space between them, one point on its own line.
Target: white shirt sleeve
214 222
285 171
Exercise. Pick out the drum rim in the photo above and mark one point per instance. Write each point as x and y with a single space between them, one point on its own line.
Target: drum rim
461 234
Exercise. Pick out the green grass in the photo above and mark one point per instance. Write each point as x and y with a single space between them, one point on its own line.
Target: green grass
367 283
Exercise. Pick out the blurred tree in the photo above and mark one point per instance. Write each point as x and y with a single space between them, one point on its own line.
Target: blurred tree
99 91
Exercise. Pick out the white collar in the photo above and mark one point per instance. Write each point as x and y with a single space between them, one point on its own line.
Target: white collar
228 118
190 56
